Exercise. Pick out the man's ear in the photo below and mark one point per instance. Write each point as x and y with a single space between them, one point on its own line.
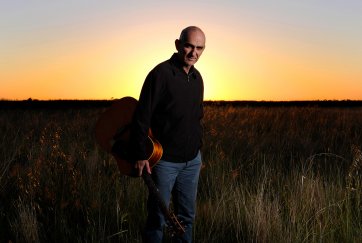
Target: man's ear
177 44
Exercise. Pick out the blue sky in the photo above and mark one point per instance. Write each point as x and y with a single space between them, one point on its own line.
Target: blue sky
259 50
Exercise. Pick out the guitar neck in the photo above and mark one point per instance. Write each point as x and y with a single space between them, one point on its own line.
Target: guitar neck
154 191
170 217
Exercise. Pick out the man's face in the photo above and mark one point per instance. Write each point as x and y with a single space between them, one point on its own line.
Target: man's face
191 49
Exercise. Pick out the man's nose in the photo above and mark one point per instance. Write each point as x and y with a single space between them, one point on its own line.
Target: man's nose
193 51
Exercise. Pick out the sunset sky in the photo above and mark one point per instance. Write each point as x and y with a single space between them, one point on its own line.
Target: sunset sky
255 49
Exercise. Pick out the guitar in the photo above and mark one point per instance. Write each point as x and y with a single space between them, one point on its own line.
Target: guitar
112 132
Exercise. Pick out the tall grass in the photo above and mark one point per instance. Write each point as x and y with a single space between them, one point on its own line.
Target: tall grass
280 175
270 174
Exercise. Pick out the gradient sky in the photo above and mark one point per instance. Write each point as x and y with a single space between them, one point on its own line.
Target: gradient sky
255 50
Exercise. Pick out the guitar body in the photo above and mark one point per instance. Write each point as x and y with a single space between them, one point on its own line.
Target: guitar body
112 132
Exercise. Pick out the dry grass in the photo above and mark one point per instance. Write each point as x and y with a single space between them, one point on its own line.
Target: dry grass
25 223
270 175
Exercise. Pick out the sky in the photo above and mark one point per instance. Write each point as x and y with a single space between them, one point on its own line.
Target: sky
273 50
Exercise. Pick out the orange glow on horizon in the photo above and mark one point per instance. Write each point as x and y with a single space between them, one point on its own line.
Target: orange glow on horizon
106 52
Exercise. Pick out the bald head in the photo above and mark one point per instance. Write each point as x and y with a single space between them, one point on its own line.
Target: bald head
190 46
185 32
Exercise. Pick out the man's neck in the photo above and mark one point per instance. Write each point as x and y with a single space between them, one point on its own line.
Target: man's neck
187 69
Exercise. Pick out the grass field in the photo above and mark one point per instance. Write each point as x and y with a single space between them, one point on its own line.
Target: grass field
270 174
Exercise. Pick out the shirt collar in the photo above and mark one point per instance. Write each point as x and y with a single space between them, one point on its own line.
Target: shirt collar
179 65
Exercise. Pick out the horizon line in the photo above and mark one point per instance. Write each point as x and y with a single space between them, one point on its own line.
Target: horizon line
208 100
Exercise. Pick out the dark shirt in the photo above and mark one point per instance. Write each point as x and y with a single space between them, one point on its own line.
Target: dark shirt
171 104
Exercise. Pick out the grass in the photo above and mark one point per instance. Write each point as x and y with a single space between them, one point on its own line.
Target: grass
271 174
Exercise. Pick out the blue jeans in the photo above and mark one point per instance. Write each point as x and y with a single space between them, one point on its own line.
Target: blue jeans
180 180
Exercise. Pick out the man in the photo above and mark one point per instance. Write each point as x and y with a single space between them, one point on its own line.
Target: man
171 104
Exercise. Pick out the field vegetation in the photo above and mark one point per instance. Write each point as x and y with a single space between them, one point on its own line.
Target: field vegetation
270 174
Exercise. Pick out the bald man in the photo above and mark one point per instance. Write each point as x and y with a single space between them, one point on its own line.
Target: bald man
171 104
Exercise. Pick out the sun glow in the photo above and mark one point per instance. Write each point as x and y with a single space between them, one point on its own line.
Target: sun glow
253 51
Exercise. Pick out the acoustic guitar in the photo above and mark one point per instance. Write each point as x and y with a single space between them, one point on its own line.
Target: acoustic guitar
113 131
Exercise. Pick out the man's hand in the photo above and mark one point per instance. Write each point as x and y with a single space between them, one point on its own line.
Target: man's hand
140 165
